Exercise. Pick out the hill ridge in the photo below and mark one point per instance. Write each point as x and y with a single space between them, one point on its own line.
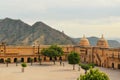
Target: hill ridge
17 32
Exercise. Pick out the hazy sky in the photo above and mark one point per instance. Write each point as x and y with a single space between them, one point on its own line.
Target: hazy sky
74 17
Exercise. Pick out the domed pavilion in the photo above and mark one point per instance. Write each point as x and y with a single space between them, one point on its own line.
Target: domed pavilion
102 42
84 42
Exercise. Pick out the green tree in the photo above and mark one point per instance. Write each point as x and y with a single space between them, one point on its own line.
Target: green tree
94 74
23 66
73 58
53 51
58 49
86 66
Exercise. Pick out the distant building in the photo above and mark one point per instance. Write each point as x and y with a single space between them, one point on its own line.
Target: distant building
101 54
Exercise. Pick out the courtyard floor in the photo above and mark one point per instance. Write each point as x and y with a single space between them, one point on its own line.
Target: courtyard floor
47 71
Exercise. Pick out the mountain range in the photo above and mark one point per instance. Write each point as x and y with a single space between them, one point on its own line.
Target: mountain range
17 32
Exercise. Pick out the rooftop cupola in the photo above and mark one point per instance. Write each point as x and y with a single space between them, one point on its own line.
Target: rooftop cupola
84 42
102 42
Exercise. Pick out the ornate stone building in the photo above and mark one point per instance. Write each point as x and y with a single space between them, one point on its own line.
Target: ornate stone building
24 53
101 54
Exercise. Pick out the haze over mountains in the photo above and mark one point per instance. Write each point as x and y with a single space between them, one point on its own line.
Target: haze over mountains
16 32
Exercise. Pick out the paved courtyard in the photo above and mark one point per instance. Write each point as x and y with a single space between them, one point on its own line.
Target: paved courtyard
47 71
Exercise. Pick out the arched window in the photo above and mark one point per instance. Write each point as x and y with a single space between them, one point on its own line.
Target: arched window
50 59
112 65
22 59
28 60
44 58
118 66
55 58
35 59
1 60
9 60
15 60
60 58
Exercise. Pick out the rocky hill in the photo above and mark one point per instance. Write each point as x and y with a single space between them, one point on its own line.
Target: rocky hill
16 32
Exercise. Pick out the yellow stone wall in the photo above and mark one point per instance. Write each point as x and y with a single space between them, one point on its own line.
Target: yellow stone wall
26 52
105 57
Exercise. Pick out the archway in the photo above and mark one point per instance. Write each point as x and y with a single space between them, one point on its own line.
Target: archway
50 59
9 60
118 66
1 60
22 59
28 60
60 58
44 58
15 60
35 59
55 58
112 65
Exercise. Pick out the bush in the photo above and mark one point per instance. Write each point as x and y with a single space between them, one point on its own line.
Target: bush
24 65
87 66
92 65
94 74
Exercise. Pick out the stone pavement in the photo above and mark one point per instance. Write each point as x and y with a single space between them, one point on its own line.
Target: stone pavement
47 71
